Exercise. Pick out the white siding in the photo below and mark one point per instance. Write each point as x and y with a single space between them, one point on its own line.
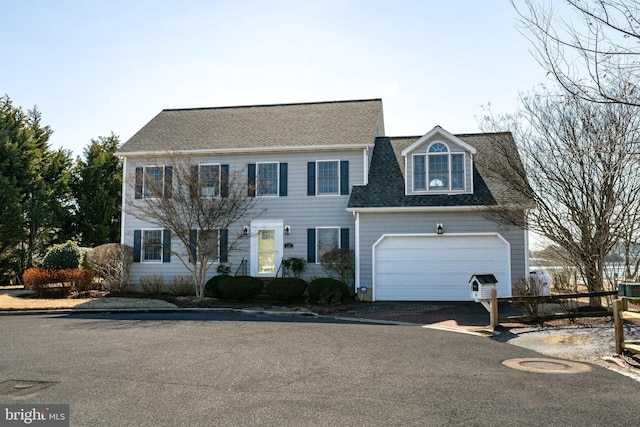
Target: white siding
297 209
374 225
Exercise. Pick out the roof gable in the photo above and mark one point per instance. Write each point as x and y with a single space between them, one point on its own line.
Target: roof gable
260 127
387 177
433 133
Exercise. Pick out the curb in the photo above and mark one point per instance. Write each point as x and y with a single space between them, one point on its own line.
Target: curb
155 310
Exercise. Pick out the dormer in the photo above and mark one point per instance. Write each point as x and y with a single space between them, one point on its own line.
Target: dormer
438 163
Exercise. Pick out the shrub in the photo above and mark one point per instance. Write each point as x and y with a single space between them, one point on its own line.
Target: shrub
339 263
211 287
286 288
182 286
295 265
36 279
240 287
58 282
327 291
112 263
82 280
528 287
63 256
223 269
151 285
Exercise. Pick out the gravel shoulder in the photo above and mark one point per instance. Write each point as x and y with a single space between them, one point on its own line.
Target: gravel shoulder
587 343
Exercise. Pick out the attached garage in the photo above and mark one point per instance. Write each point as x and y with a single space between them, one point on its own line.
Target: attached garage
431 267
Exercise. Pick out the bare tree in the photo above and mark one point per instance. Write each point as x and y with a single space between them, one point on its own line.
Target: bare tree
199 204
591 47
582 164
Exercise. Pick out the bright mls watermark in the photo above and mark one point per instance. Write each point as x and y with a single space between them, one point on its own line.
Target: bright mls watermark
34 415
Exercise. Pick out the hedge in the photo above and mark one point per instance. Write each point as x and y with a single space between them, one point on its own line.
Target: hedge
327 291
40 280
286 289
240 287
211 287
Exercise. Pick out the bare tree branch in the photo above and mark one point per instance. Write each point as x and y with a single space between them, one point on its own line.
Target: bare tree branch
197 214
595 56
582 164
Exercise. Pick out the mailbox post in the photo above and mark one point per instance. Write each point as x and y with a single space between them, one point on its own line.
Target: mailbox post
483 289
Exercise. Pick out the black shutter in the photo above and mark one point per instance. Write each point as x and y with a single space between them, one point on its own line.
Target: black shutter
311 245
311 179
344 177
166 246
344 238
137 245
139 178
283 178
224 245
193 242
251 192
168 178
194 185
224 178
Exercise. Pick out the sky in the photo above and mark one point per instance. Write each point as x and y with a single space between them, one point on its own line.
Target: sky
93 67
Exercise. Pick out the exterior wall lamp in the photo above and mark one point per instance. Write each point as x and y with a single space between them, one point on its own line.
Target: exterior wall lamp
245 230
439 228
287 229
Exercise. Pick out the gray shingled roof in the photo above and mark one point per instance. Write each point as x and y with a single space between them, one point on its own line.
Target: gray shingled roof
259 127
386 187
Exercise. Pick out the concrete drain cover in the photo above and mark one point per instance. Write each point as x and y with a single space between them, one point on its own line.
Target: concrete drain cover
22 388
547 366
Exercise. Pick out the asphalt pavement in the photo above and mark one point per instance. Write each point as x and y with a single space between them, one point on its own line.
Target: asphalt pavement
202 369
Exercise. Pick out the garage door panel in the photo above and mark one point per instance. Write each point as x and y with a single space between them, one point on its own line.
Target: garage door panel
432 268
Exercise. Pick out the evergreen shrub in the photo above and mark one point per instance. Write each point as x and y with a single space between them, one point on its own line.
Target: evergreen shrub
211 287
286 289
63 256
240 287
327 291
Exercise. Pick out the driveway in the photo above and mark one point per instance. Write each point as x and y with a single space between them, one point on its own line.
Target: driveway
201 369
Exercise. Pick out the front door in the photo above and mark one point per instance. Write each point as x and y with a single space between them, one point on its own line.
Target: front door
266 247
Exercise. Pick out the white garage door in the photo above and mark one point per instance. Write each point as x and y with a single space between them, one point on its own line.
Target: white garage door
437 267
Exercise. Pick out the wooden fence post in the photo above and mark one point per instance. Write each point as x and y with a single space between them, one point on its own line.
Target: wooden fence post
494 308
618 324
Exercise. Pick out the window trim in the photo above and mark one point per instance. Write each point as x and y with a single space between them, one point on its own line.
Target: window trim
257 179
426 155
337 192
219 180
317 243
413 168
144 181
143 252
193 244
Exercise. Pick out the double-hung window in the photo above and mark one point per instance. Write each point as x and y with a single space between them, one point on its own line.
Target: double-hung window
438 170
419 173
152 245
153 185
267 179
204 244
209 180
327 239
328 177
153 182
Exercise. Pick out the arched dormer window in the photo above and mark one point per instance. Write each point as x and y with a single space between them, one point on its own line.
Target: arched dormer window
438 170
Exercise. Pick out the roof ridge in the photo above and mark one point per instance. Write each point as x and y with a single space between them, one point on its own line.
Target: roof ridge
272 105
458 135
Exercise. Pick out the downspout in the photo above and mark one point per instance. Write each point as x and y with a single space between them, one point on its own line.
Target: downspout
356 253
124 188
